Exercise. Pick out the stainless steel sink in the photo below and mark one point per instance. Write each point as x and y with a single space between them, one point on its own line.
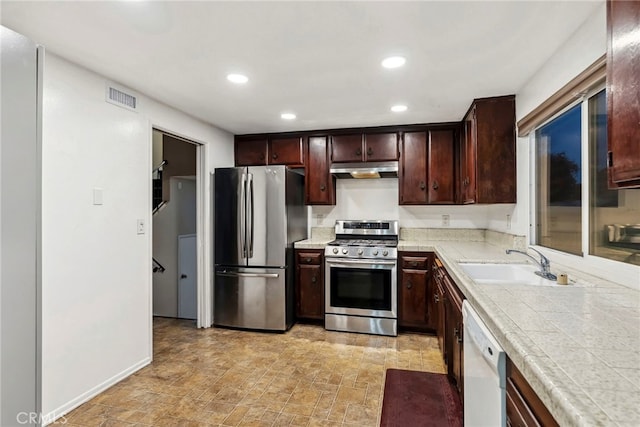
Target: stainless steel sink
505 274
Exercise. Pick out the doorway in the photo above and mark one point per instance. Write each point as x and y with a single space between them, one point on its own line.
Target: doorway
174 225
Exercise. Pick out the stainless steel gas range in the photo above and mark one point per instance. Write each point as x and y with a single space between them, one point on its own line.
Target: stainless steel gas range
361 278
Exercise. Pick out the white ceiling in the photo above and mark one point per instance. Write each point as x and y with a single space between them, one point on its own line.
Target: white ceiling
320 60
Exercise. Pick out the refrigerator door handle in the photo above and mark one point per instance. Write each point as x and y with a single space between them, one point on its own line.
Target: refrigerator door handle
234 274
242 216
250 221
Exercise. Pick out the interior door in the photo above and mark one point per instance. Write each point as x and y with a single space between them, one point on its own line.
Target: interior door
187 275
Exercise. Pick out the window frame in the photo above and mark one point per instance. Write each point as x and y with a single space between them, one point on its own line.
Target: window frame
619 272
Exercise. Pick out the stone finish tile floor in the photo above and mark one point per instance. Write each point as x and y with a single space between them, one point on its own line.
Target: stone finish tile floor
220 377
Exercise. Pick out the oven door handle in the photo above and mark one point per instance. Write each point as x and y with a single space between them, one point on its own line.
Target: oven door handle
331 261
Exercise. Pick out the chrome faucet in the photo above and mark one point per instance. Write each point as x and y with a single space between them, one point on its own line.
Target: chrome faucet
545 265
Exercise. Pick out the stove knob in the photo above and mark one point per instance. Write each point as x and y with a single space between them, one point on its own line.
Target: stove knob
375 252
345 251
385 253
335 250
360 251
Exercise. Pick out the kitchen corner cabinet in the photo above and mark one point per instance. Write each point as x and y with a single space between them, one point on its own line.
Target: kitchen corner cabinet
414 291
524 407
427 168
260 151
488 152
309 284
623 93
364 147
320 186
451 304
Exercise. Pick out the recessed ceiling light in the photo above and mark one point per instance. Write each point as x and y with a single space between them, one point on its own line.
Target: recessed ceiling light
393 62
288 116
399 108
237 78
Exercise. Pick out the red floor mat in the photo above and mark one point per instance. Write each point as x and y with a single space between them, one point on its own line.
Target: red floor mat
413 398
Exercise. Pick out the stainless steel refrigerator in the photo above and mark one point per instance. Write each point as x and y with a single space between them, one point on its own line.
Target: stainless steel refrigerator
259 213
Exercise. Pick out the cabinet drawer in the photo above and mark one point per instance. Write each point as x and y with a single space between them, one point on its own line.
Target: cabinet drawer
309 258
415 263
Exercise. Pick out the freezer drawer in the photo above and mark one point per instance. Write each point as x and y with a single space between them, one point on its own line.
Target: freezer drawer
252 298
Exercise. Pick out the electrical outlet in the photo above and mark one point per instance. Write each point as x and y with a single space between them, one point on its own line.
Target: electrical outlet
140 226
319 218
508 222
445 220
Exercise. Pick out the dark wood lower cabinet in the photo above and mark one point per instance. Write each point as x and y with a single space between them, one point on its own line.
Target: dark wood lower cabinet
524 407
309 284
414 291
449 324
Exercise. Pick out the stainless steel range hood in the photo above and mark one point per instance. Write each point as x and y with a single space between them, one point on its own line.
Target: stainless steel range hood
366 170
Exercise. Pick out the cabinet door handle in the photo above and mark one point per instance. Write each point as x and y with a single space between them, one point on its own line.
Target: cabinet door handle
261 156
314 279
369 151
422 186
409 285
322 187
435 298
358 152
308 260
274 156
414 264
435 185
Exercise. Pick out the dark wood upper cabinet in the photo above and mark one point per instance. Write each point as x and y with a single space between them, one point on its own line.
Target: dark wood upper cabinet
368 147
380 147
251 151
412 169
488 152
286 151
441 169
623 93
320 186
346 148
427 167
262 150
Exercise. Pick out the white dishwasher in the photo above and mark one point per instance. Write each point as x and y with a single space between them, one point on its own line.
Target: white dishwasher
484 374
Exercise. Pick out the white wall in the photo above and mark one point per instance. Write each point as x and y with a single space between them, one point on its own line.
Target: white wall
96 269
19 227
583 48
378 199
176 218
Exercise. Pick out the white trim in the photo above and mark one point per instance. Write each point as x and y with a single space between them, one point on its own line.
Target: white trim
50 417
203 227
585 168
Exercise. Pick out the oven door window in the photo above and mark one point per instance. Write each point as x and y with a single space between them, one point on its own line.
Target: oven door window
368 289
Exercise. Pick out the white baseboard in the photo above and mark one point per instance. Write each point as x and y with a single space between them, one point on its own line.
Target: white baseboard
50 417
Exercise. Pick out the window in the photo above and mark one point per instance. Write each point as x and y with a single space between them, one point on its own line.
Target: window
614 215
571 186
559 178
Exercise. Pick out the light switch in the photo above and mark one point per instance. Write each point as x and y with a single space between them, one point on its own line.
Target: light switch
97 196
140 226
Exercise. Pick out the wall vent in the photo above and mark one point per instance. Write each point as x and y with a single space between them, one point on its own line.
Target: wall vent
119 97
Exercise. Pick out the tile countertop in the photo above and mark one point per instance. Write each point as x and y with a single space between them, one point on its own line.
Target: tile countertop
578 345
